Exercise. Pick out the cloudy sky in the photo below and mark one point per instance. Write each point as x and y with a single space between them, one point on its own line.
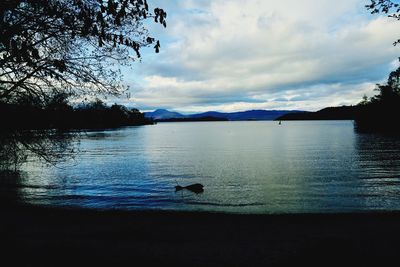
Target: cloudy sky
233 55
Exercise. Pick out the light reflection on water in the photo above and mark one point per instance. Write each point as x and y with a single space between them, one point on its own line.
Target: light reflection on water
247 167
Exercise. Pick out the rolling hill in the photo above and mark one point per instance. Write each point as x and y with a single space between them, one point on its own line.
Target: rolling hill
163 114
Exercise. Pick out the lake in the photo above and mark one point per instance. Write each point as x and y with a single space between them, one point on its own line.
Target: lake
245 167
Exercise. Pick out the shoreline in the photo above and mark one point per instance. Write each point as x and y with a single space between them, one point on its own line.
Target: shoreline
56 236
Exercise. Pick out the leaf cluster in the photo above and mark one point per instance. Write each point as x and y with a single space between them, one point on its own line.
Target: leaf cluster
388 7
72 46
388 93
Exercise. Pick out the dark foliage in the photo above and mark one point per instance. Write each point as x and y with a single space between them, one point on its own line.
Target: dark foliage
71 46
331 113
62 116
379 114
98 115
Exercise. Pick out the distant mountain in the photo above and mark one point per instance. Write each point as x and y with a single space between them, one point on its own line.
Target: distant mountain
266 115
207 118
163 114
331 113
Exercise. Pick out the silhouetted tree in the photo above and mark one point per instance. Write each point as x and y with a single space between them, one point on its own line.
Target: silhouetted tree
379 112
69 46
59 102
389 93
364 101
49 146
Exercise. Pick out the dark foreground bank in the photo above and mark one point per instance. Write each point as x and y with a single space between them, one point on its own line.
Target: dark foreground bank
33 236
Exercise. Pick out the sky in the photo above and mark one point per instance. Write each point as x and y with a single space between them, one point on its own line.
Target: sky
234 55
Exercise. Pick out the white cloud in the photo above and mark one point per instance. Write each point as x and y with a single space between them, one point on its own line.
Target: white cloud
235 55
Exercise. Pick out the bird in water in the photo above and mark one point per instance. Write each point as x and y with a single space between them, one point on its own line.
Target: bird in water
195 188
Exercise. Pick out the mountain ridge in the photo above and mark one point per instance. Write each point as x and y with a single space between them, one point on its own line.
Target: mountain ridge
257 114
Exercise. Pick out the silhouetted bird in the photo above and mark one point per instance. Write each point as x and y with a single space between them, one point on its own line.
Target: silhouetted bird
195 188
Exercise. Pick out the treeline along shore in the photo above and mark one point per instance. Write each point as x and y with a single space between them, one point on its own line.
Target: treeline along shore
368 117
331 113
375 114
64 116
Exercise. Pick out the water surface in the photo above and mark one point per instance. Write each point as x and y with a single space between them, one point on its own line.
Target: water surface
246 167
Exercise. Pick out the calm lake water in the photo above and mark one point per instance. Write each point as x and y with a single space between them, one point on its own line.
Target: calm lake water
246 167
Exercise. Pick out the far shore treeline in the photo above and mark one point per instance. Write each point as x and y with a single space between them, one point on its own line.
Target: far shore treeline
59 114
375 114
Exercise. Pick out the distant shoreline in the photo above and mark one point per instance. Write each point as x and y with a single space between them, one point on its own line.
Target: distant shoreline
201 119
67 118
331 113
